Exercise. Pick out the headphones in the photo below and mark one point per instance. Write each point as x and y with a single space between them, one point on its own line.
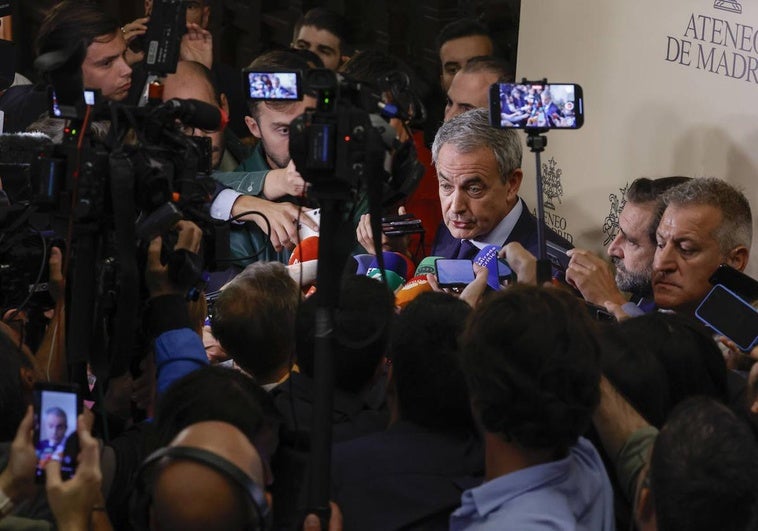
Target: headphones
258 518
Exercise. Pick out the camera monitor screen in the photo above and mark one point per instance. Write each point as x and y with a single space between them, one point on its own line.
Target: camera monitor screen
272 85
542 106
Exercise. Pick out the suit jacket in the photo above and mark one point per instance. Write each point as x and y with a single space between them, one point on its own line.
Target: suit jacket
407 477
524 232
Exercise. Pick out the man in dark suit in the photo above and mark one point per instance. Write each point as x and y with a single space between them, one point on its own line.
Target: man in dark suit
56 423
411 475
479 171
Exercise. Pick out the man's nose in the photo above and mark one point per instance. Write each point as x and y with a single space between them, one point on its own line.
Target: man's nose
614 249
663 260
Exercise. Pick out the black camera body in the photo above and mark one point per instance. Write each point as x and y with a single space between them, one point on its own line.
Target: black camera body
343 144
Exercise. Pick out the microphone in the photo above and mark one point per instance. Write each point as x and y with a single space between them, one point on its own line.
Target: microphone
303 262
487 257
412 289
363 262
305 251
395 269
196 113
427 265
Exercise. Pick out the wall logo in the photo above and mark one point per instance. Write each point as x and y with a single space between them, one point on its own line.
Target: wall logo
721 46
552 190
728 5
551 182
611 223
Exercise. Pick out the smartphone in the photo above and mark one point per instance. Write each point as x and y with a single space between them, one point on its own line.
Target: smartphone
453 273
730 315
504 271
268 85
56 409
536 106
557 256
737 281
401 224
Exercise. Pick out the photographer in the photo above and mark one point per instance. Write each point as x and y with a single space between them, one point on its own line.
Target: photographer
102 67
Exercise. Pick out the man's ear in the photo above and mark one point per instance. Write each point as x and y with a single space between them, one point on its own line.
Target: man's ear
224 103
252 125
738 257
514 184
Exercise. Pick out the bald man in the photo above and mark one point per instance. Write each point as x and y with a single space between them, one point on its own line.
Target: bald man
191 496
194 81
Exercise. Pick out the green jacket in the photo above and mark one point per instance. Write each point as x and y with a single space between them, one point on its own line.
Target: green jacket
248 242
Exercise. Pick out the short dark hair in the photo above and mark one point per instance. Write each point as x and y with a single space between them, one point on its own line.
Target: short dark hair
74 22
326 19
644 190
426 366
465 27
362 323
492 64
658 360
531 360
272 61
703 469
254 318
211 393
371 66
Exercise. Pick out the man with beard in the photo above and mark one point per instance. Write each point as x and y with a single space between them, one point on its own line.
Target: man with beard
631 252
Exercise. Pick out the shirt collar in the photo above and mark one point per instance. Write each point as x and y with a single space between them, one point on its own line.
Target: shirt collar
494 493
502 230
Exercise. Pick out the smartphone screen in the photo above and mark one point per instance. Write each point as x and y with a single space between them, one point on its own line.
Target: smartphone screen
272 86
539 106
729 315
56 408
454 273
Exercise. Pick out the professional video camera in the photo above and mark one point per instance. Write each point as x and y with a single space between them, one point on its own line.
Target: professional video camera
115 177
346 144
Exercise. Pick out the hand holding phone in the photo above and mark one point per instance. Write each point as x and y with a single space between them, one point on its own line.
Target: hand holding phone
452 273
729 315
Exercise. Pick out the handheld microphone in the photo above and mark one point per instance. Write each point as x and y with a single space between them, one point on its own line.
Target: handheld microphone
395 269
363 262
487 257
196 113
305 251
427 266
412 289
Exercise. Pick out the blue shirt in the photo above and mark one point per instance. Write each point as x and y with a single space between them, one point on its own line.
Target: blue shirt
570 494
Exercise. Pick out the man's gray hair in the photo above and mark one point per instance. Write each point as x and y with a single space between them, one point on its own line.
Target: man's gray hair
471 130
737 221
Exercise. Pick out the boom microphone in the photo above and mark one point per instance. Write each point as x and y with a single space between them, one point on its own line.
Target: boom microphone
196 113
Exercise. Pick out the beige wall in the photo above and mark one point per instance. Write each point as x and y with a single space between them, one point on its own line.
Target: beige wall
651 110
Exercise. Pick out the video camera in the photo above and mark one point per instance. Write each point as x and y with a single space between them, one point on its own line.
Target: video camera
346 138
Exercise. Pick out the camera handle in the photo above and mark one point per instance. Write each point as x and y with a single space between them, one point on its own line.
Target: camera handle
537 142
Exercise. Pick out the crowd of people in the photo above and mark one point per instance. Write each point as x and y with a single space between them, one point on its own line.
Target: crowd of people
487 406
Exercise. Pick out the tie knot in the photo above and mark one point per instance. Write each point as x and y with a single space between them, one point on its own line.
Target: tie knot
467 250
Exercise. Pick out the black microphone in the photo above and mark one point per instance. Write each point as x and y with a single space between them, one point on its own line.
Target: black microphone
196 113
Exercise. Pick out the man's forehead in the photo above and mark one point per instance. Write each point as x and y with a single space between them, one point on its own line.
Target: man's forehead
105 46
635 217
693 221
464 48
320 36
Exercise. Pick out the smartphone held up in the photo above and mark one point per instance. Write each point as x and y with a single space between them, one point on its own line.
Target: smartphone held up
536 106
56 409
